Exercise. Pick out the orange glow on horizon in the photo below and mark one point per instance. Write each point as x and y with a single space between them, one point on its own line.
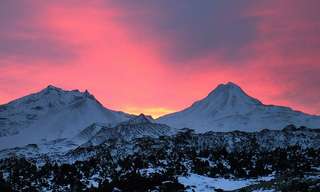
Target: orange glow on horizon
154 112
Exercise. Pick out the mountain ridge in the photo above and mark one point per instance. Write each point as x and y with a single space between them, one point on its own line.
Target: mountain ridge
54 113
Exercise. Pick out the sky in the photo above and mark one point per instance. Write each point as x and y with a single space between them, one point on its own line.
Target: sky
156 57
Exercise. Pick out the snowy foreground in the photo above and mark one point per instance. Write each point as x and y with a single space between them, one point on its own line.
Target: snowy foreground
203 183
194 182
182 162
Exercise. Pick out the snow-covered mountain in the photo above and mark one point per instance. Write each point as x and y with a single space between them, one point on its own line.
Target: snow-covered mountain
229 108
72 118
52 114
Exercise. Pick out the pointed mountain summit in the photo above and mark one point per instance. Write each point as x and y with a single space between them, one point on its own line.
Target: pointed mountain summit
231 92
226 97
140 119
229 108
52 113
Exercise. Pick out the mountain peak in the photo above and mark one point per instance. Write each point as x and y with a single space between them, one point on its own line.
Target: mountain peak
232 85
52 97
230 91
227 87
140 119
52 88
87 94
223 99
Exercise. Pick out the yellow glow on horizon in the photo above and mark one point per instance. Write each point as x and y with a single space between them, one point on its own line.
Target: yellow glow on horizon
154 112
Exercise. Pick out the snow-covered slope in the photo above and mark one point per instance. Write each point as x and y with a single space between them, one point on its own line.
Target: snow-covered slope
52 114
136 127
229 108
95 134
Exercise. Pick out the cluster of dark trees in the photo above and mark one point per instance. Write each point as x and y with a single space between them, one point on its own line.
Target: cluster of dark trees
291 160
23 175
125 175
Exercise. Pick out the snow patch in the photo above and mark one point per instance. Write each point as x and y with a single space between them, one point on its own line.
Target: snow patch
203 183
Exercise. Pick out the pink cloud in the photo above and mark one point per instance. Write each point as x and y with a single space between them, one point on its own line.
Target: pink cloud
126 69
